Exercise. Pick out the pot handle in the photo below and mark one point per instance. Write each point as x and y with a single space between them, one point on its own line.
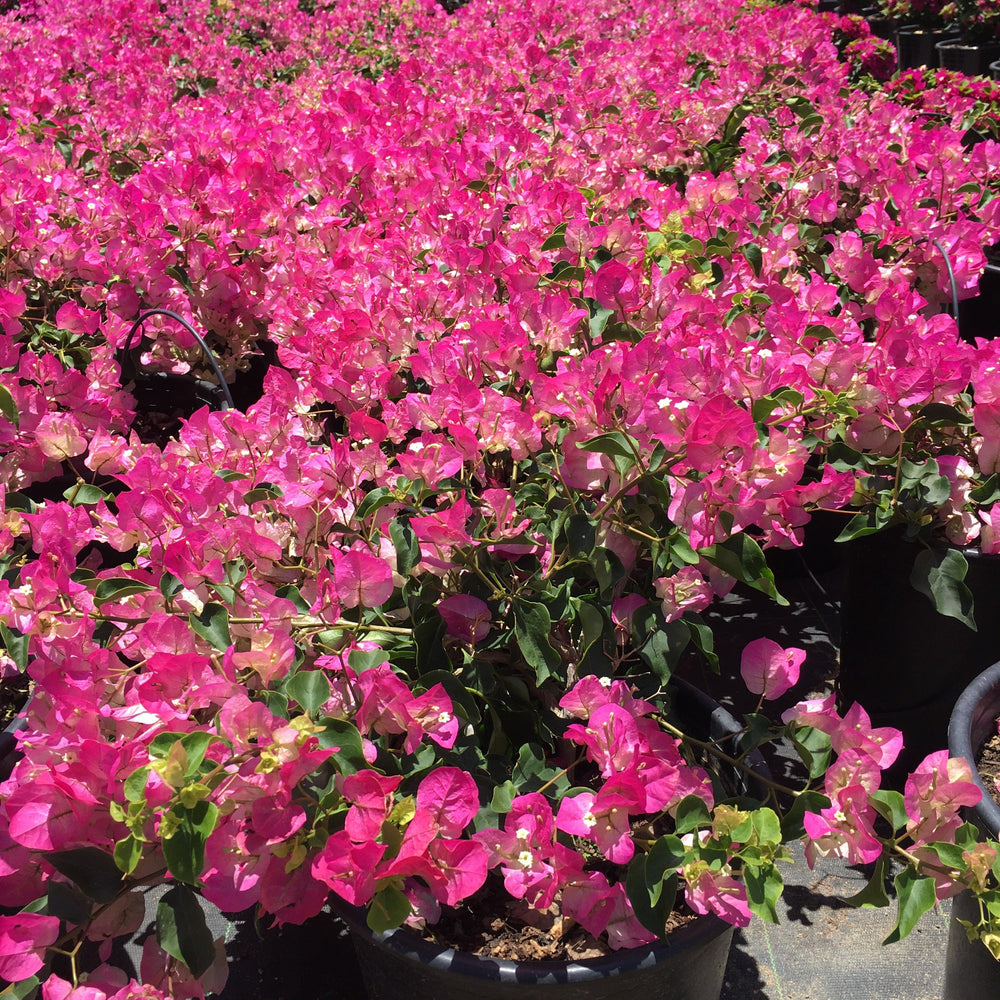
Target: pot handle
128 346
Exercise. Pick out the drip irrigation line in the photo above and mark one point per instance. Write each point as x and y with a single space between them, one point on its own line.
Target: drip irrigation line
223 386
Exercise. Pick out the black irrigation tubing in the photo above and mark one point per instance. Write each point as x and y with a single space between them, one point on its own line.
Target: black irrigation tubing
954 283
230 405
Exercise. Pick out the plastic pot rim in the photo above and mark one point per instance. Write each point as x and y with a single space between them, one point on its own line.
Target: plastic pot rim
984 690
407 943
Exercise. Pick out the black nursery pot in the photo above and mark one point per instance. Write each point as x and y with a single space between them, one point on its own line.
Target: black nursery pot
980 316
972 60
691 965
905 663
973 723
916 46
995 70
971 972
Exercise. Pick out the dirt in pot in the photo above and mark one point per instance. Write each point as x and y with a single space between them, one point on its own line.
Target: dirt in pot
492 925
989 766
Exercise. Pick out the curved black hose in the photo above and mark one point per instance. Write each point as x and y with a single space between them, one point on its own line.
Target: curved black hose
223 386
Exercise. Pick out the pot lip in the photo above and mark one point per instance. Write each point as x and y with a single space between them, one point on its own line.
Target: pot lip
959 45
983 690
405 942
703 928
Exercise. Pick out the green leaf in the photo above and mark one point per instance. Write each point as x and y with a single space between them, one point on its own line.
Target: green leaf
118 587
344 738
170 586
873 894
614 443
581 534
916 896
128 854
754 257
84 494
939 574
988 491
859 526
377 498
290 592
135 785
691 814
23 990
184 851
388 909
503 797
181 930
652 898
92 869
666 855
7 405
791 823
943 415
740 556
764 887
532 628
361 660
15 645
890 806
310 688
212 623
407 545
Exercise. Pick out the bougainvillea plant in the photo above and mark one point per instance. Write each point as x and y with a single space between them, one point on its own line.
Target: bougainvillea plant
564 345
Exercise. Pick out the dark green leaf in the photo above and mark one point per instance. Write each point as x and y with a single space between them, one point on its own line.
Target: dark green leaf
184 852
691 814
754 257
873 894
212 624
118 587
613 443
764 887
181 930
532 628
916 896
651 912
309 688
128 854
407 545
84 494
92 869
344 738
388 909
170 586
291 593
791 823
939 574
988 491
15 645
943 415
581 534
890 805
373 501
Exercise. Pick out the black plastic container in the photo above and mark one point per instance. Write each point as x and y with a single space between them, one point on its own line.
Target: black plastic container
905 663
691 965
971 972
916 46
972 60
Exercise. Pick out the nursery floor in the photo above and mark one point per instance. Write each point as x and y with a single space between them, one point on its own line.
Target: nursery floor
823 949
